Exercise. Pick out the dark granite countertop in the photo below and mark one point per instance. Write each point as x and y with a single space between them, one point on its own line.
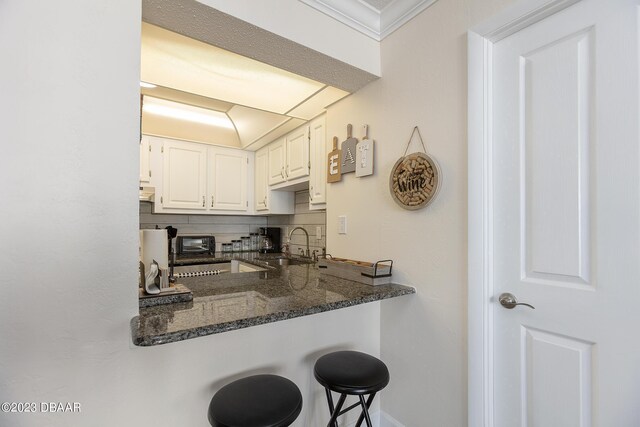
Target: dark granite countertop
233 301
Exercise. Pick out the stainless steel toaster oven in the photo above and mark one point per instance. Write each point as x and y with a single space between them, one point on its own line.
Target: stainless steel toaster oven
192 244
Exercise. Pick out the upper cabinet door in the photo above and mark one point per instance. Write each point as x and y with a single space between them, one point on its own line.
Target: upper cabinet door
145 164
277 159
261 179
318 161
227 179
185 175
297 153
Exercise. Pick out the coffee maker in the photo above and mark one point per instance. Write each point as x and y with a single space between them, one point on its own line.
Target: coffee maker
273 234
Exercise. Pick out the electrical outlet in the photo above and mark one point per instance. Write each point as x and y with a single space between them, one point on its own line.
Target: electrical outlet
342 224
318 232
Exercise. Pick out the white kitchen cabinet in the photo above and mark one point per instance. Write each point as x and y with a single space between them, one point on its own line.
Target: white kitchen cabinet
268 201
318 163
145 160
227 179
289 161
297 148
277 161
184 175
261 179
195 178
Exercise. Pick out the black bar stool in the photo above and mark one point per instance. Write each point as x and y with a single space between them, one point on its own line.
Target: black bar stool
351 373
256 401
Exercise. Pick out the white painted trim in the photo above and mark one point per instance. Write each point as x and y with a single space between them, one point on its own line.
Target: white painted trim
480 198
479 244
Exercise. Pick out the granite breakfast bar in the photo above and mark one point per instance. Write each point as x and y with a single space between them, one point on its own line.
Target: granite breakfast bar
228 302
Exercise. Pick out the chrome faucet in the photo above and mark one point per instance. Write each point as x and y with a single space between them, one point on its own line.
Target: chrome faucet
307 254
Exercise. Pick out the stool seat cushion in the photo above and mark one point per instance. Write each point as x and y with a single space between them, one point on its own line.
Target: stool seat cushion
256 401
351 372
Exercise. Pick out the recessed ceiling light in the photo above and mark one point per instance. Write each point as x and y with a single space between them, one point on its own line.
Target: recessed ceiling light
147 85
175 61
186 112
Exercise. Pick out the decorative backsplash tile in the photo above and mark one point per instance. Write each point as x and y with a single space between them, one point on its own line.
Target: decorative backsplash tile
231 227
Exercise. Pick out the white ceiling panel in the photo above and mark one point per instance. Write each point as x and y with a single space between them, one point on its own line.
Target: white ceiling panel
252 124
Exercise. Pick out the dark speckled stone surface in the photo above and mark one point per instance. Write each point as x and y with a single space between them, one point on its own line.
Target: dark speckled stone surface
234 301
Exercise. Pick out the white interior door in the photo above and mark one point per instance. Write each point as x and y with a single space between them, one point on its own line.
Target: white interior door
564 219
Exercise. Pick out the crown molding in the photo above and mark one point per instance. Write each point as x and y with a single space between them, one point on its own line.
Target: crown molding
399 12
366 19
354 13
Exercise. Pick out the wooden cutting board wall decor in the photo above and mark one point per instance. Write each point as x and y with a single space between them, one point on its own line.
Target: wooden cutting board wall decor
334 173
415 179
348 148
364 155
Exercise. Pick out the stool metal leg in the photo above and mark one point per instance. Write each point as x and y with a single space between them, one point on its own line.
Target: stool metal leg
336 411
365 408
329 400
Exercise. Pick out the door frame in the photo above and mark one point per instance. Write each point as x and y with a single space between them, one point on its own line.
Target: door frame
480 198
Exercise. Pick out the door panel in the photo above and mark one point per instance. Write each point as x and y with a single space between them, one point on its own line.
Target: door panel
557 100
227 179
184 172
298 153
277 160
554 365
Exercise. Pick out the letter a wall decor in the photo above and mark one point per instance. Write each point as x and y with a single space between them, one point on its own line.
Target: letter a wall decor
415 179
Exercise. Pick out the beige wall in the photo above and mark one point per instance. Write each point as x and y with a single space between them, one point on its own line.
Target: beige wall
424 83
70 292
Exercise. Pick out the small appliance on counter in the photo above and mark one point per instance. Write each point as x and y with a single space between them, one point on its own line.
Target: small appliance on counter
270 241
196 244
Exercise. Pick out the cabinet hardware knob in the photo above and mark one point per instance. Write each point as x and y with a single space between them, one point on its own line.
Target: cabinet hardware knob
211 201
203 202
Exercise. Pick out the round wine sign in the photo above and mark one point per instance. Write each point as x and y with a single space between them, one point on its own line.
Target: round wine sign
415 181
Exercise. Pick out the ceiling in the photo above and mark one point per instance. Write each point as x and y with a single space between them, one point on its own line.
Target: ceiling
374 18
260 102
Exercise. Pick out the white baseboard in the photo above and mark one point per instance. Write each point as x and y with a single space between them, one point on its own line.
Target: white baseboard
375 420
387 420
379 419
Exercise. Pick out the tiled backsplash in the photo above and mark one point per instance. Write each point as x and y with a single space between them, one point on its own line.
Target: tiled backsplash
230 227
305 218
224 227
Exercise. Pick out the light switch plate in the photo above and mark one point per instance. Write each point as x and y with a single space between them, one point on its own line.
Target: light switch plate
318 232
342 224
